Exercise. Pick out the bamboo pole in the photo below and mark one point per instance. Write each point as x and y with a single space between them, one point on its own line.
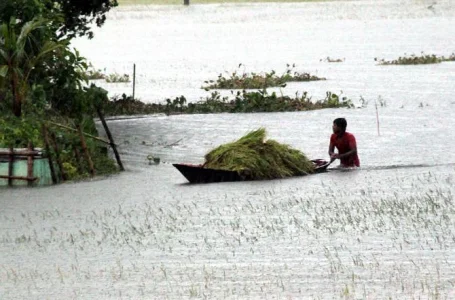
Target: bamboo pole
57 156
49 155
10 166
21 153
134 80
377 117
86 134
111 139
18 178
30 164
86 152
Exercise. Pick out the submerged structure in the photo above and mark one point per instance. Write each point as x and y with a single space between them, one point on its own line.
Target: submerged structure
20 167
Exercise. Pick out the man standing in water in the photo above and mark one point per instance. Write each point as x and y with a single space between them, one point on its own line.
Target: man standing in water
345 143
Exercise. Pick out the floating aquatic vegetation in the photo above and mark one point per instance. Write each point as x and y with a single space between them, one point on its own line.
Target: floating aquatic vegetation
450 58
240 102
332 60
97 74
417 60
238 80
254 156
93 74
115 77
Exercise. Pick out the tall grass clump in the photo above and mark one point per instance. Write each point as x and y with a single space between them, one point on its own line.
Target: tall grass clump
257 158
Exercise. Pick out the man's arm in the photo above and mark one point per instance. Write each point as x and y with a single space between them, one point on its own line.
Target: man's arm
332 150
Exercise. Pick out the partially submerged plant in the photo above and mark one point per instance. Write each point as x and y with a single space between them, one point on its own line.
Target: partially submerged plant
332 60
93 74
258 80
97 74
417 60
115 77
450 58
258 158
243 102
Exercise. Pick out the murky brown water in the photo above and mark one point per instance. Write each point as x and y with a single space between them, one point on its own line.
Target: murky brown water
383 231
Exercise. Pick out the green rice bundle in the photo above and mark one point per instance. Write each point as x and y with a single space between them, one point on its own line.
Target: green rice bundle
253 156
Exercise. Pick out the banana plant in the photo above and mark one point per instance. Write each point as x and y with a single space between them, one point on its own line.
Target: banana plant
20 52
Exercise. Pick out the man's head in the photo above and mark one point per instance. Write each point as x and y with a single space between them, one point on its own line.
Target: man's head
339 125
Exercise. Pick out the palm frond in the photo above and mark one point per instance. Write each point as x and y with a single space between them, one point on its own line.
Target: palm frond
27 29
3 55
3 70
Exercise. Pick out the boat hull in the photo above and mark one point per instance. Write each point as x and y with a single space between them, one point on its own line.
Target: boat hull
199 174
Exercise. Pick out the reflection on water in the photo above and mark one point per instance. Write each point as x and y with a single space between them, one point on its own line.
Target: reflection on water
384 230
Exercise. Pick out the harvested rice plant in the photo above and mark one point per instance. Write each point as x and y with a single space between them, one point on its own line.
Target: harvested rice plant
254 156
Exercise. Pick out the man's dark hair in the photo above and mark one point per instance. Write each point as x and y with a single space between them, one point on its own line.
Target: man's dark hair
341 122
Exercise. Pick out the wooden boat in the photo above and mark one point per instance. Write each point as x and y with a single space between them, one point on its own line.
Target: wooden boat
199 174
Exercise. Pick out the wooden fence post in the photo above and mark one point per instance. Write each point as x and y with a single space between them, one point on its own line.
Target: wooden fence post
84 148
78 159
111 139
30 159
57 156
134 80
10 166
49 155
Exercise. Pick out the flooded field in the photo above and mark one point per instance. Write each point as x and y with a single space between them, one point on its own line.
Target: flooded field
383 231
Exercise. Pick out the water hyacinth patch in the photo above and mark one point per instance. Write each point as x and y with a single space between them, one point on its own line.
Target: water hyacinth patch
93 74
259 80
98 74
332 60
417 60
115 77
242 102
450 58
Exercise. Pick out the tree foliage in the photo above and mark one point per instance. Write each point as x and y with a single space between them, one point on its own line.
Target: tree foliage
76 15
42 78
19 54
35 54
